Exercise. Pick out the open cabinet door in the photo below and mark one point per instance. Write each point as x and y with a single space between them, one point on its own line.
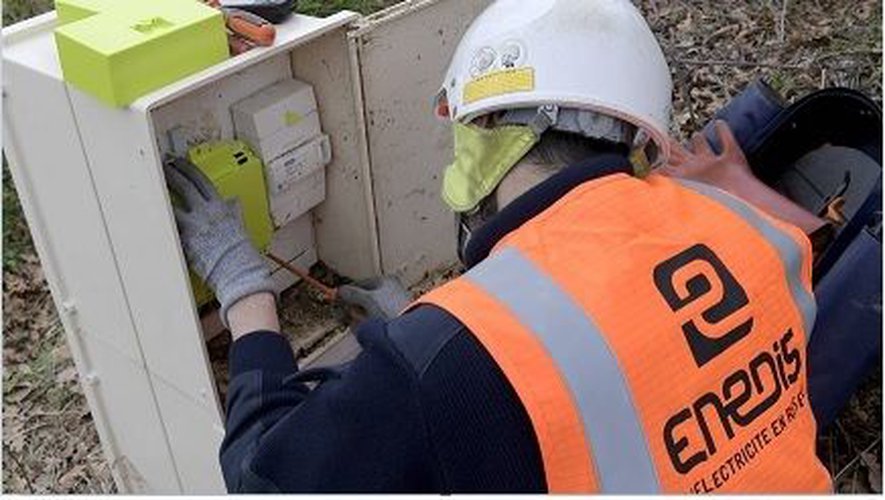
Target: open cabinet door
403 54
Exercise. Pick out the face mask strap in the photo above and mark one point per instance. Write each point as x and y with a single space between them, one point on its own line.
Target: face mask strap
464 235
470 222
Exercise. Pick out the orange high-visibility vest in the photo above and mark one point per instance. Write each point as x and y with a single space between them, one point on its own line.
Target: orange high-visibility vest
655 331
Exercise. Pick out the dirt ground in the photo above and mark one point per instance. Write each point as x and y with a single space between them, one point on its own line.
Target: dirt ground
714 48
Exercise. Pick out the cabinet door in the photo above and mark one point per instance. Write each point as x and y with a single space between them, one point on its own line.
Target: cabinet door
404 53
125 168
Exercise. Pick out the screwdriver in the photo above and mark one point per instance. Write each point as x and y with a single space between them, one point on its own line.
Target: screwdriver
383 297
329 293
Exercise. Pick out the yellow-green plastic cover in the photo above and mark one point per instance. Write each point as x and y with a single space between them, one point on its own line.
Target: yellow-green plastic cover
120 50
237 173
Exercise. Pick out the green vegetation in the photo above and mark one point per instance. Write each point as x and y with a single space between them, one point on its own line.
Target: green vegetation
326 7
16 10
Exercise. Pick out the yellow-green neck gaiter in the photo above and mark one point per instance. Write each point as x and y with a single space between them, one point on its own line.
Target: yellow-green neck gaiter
482 159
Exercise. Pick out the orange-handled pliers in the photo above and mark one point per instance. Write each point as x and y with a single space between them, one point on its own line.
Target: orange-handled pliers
254 28
247 29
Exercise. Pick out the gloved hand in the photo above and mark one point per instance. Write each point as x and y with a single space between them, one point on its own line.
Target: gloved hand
728 170
214 240
382 297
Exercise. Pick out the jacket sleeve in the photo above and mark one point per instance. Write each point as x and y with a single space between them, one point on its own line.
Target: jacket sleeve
352 428
259 365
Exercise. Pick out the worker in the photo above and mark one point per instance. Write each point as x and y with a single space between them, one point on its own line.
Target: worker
615 332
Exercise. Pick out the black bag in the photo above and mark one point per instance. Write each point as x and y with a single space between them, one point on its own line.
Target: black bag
827 143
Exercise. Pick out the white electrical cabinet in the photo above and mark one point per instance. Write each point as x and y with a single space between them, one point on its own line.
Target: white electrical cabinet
92 188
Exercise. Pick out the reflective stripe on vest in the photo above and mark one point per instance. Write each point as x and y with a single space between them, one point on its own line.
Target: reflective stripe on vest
655 334
790 254
570 336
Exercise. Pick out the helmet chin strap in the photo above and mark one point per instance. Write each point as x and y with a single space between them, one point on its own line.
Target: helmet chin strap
639 154
545 119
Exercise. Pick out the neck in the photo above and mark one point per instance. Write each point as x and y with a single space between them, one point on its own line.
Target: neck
534 201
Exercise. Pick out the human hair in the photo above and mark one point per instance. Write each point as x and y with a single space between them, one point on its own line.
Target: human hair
555 151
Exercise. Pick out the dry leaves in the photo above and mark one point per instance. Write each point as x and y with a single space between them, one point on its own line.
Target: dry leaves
716 48
852 448
874 471
49 442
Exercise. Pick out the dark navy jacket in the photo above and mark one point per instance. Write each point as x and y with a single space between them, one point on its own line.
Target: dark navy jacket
424 408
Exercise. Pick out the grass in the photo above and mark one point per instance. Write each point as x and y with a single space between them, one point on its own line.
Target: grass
49 442
16 10
323 8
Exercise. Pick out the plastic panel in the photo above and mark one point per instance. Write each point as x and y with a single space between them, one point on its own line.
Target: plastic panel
67 223
126 169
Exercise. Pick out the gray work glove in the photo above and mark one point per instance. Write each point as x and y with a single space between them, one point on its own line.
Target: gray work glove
382 297
214 240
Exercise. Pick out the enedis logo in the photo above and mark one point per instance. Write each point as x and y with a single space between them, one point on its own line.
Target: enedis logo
682 281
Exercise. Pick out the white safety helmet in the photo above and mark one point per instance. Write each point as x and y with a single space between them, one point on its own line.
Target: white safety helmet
594 55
